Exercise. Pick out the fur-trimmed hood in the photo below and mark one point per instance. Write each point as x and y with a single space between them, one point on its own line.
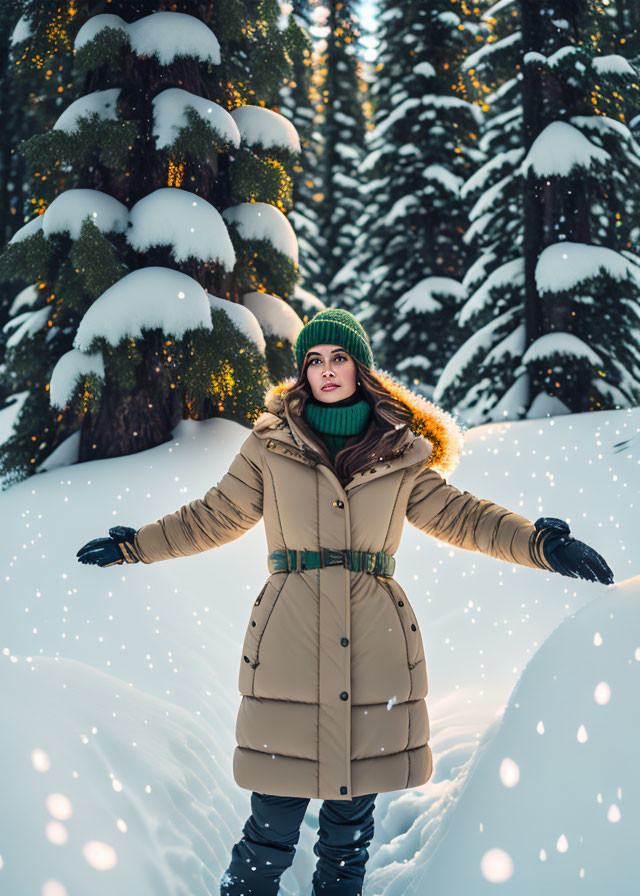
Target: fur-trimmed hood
429 420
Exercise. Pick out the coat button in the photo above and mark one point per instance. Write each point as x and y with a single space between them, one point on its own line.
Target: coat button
344 696
343 790
246 659
344 641
338 504
252 622
413 628
401 603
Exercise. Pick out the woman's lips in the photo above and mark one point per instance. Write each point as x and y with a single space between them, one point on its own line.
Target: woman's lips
329 387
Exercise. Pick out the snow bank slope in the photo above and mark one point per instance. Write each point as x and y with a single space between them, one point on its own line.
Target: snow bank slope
119 685
552 798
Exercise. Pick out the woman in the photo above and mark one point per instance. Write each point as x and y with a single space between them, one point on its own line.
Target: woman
333 675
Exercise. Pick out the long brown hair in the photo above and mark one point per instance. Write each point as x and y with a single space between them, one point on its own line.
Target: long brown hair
388 421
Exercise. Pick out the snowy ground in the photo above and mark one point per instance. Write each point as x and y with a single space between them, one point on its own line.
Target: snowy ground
119 685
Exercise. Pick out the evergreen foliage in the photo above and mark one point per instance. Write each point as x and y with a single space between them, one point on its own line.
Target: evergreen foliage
341 97
299 99
550 334
411 256
219 57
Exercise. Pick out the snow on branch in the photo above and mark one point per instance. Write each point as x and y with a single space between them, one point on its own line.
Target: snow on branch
170 117
10 413
397 115
422 296
68 372
478 270
566 344
165 35
511 346
510 274
22 31
478 342
262 221
271 129
478 181
602 125
613 64
564 266
186 222
27 296
491 197
274 315
446 179
27 323
450 104
558 58
559 150
482 55
425 69
242 318
101 103
27 230
69 209
93 26
497 7
146 299
401 208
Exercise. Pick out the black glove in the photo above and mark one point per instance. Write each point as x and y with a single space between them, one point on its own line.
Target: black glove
571 557
106 551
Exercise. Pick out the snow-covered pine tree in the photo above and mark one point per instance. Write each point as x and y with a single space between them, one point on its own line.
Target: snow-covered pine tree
28 101
492 313
299 107
423 146
34 92
620 35
620 30
162 257
554 308
581 291
341 93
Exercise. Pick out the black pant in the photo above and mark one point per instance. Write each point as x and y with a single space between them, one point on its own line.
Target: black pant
272 831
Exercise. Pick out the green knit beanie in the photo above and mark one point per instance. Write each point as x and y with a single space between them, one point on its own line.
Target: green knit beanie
334 326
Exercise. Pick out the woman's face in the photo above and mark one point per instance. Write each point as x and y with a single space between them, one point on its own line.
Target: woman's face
331 373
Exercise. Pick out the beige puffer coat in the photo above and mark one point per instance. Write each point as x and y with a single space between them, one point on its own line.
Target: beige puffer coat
333 672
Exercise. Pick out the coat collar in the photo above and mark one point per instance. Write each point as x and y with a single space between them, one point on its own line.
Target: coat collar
432 435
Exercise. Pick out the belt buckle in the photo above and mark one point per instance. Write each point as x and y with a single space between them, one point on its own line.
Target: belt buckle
335 557
371 563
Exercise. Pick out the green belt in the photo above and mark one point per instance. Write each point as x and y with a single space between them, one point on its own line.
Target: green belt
295 561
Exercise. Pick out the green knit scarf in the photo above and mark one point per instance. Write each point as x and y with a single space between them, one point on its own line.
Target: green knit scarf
336 425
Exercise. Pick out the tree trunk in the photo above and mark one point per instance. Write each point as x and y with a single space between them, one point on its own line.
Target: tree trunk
556 209
533 203
142 419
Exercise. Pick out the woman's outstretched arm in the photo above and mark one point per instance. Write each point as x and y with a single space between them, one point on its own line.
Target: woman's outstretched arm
227 510
475 524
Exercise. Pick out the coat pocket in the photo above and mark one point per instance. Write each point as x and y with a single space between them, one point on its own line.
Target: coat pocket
263 607
408 621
